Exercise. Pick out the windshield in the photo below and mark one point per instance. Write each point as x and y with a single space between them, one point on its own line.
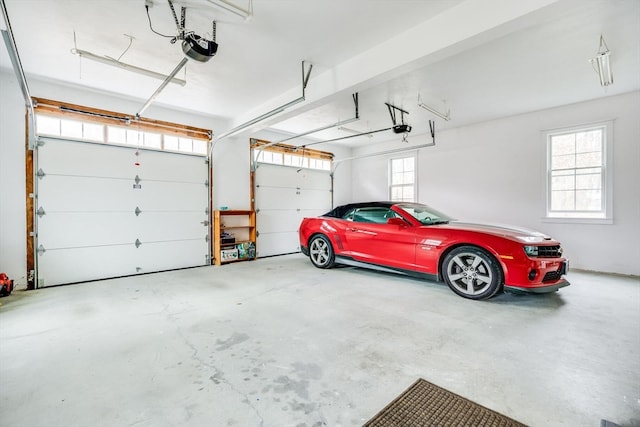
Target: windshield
425 214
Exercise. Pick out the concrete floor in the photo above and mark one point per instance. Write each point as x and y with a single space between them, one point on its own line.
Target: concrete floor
277 342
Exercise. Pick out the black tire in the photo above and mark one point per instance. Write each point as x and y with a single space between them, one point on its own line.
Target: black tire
472 273
321 252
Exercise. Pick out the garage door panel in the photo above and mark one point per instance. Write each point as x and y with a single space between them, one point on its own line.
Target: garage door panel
278 220
278 175
319 200
86 159
161 226
170 255
61 266
279 197
84 229
184 168
73 193
278 243
154 195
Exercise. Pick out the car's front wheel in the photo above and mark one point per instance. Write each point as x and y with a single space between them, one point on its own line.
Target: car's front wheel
321 251
472 273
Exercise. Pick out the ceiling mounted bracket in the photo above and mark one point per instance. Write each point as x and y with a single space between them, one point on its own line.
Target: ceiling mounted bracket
305 80
340 123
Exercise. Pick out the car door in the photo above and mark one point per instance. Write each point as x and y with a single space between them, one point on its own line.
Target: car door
370 238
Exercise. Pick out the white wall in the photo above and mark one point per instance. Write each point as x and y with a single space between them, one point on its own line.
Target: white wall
13 252
496 172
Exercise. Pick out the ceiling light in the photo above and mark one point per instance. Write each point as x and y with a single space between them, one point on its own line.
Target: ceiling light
432 110
602 64
115 63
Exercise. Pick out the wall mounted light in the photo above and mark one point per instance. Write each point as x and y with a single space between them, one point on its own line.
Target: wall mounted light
602 64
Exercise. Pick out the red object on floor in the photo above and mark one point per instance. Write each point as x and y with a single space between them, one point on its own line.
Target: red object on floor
6 285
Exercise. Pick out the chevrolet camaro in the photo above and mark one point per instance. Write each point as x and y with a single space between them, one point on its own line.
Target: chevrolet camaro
476 261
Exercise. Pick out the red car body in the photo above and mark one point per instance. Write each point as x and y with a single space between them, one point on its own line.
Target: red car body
476 261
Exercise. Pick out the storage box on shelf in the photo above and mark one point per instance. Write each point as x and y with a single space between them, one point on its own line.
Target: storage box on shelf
234 234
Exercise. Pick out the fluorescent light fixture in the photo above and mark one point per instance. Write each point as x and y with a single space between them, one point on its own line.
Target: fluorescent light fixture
115 63
602 64
432 110
234 8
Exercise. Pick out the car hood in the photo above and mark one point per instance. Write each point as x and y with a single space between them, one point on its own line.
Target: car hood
520 234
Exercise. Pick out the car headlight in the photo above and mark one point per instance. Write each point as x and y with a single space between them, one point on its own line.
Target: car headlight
531 250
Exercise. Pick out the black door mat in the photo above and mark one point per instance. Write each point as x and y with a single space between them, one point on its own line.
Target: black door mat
425 404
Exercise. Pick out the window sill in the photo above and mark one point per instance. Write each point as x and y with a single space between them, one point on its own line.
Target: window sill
573 220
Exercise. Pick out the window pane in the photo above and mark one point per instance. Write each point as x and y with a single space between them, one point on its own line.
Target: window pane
589 159
589 141
199 146
563 162
589 181
134 137
47 125
93 132
562 144
171 142
562 201
152 140
71 128
185 144
563 183
116 135
588 200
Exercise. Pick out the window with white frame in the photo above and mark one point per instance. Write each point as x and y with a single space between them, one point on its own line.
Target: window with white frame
577 183
402 179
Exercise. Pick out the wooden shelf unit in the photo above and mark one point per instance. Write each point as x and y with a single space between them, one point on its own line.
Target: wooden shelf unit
241 224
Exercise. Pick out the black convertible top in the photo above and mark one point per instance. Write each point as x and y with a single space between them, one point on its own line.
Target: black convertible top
338 212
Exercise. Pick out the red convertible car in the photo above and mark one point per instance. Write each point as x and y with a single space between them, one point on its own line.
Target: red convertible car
476 261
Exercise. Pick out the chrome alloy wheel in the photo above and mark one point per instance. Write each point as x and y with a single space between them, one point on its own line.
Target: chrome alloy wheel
321 252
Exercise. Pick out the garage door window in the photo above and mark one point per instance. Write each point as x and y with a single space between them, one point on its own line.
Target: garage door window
57 119
577 182
289 155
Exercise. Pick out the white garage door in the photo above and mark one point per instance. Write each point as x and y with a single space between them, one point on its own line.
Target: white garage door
283 196
105 211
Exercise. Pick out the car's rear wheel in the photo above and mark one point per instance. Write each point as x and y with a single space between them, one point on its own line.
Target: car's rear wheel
321 251
472 273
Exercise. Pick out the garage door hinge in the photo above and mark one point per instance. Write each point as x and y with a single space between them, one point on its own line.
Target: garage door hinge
206 238
41 212
206 183
205 222
40 174
137 211
138 243
41 250
40 142
137 179
257 233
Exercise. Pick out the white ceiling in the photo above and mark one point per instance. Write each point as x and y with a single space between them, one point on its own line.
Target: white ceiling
482 59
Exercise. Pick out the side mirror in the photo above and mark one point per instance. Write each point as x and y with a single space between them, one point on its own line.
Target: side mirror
397 221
